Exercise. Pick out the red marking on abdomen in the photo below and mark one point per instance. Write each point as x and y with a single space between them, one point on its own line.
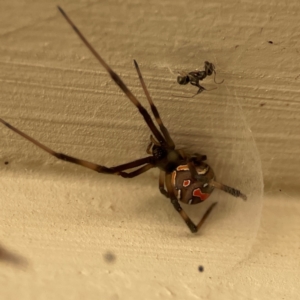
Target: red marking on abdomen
197 193
186 183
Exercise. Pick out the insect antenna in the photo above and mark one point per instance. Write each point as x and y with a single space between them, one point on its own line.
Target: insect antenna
215 74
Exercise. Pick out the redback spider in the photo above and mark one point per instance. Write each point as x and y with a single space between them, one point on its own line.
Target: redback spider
183 177
195 76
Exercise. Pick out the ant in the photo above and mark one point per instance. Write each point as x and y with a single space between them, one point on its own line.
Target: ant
183 177
195 76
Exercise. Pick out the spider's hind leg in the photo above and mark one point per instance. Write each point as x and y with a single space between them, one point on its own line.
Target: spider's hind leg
228 189
193 228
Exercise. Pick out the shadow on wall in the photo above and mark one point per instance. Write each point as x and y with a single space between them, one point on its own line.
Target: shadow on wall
12 258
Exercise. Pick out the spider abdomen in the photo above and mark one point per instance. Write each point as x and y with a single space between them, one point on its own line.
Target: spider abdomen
189 190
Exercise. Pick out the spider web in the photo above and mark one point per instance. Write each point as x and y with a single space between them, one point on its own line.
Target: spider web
214 123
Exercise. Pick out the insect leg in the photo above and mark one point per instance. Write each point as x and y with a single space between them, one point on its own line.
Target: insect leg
201 88
119 82
117 170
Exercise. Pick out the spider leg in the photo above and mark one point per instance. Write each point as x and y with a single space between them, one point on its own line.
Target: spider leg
117 170
148 150
119 82
133 164
232 191
137 172
190 161
228 189
161 184
207 213
192 168
152 143
155 112
193 228
199 156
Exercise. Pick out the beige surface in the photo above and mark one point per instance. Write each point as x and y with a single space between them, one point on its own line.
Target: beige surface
66 222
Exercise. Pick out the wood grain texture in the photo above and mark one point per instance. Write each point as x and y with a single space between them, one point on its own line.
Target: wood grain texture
65 221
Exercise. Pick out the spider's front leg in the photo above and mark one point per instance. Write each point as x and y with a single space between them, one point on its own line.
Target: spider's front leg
192 161
197 156
144 164
193 228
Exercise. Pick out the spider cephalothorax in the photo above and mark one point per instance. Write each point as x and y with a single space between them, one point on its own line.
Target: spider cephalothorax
182 177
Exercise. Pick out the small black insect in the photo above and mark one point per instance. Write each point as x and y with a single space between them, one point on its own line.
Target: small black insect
201 268
183 177
195 77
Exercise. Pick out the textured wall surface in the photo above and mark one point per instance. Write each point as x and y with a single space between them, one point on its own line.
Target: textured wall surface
70 233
